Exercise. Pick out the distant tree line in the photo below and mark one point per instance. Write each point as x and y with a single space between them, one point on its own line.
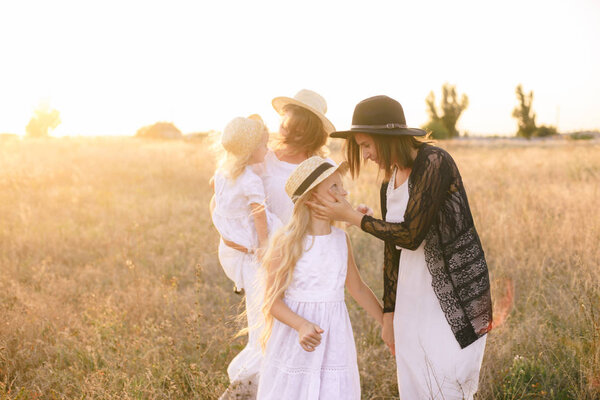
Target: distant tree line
443 118
159 130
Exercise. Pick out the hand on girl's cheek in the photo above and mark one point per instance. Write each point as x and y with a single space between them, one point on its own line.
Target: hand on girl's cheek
327 196
318 197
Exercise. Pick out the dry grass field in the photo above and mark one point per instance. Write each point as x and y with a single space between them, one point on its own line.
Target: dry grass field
110 286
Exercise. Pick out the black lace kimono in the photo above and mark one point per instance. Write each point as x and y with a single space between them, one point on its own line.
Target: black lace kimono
438 212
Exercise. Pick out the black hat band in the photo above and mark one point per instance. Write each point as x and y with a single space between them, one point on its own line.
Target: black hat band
384 126
310 179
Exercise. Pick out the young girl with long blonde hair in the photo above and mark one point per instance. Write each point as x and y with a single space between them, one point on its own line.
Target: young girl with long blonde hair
240 216
308 340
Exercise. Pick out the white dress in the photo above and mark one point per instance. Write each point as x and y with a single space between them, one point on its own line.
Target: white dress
430 362
275 174
317 294
232 218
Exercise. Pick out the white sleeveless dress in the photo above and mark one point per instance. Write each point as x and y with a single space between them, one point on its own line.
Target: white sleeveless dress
317 294
430 363
274 174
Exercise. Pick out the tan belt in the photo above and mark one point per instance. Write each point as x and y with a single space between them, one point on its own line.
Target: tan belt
236 246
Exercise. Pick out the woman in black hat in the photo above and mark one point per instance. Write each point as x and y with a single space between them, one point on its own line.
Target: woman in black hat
437 301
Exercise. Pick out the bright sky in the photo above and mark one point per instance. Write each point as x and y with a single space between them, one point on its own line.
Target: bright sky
111 67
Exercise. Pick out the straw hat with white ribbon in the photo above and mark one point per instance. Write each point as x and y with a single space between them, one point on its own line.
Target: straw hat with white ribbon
309 174
309 100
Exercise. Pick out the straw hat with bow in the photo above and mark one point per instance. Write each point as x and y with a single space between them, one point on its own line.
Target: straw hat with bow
309 174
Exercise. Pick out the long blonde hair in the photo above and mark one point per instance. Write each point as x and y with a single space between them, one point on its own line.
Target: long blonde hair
285 249
231 165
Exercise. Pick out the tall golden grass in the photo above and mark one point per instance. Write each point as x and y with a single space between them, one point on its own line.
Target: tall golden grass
110 286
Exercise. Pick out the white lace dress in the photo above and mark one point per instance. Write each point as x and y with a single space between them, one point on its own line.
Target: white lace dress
232 218
317 294
430 362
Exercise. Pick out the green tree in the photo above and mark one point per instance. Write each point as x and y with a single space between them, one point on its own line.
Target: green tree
544 131
44 119
437 128
442 123
524 113
526 117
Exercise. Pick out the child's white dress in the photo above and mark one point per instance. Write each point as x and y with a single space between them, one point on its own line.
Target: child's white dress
232 218
317 294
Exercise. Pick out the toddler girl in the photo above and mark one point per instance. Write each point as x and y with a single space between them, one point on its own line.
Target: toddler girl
239 214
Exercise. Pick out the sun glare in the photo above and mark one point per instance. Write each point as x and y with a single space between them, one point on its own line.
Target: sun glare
110 69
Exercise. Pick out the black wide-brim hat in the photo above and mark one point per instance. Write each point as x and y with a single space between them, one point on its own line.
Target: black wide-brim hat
379 115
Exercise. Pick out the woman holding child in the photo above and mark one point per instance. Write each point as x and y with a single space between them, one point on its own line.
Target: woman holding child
250 201
303 133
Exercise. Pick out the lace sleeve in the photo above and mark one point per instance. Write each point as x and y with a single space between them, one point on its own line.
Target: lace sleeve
429 182
391 258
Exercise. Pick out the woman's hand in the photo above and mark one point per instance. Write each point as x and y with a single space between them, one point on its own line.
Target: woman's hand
387 331
337 210
363 209
309 336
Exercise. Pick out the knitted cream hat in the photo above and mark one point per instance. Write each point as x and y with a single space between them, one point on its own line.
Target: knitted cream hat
309 174
242 136
309 100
